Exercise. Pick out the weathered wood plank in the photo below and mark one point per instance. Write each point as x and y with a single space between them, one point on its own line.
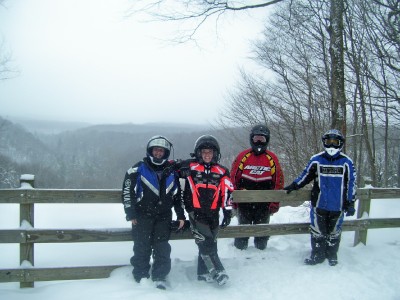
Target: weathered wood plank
385 193
12 195
384 223
379 193
295 198
8 236
78 235
60 196
48 274
114 195
124 234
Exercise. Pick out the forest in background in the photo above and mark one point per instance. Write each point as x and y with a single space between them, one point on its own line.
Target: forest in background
97 156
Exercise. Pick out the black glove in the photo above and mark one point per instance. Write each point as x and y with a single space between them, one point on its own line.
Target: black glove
175 226
184 172
348 207
291 187
227 218
183 168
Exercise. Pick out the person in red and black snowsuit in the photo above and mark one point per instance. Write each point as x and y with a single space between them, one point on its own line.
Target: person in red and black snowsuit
208 189
150 189
256 168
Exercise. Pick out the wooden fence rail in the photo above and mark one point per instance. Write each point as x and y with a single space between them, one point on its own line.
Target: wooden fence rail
27 197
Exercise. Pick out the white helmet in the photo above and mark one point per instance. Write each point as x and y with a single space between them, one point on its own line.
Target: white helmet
162 142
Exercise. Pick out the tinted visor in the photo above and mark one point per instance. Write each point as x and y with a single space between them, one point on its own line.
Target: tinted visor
332 142
259 138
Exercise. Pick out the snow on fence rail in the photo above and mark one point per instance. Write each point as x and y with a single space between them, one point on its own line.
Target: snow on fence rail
27 236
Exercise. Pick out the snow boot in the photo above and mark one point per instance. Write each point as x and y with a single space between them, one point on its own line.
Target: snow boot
261 242
318 247
139 278
221 278
205 277
332 247
160 284
313 260
332 262
241 243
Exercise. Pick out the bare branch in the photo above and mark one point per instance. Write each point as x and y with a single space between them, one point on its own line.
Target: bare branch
191 12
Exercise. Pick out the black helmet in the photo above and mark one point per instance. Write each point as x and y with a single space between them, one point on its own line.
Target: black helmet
207 142
333 141
158 141
259 146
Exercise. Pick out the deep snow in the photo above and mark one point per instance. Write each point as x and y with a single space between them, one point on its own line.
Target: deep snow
363 272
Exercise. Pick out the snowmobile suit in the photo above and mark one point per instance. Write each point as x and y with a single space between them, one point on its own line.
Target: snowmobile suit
255 172
148 194
334 183
207 190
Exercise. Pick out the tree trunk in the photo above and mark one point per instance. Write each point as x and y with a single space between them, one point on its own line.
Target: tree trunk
337 66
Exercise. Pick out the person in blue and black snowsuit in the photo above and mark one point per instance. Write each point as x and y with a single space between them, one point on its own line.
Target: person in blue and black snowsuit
150 189
333 193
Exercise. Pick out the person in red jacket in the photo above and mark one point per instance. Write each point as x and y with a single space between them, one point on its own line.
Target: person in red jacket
208 190
256 168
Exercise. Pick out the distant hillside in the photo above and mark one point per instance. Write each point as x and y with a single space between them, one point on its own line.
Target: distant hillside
96 156
46 127
22 152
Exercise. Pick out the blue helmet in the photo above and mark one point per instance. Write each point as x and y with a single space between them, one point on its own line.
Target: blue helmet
333 141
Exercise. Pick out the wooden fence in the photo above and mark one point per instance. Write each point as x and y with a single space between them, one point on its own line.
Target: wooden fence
28 236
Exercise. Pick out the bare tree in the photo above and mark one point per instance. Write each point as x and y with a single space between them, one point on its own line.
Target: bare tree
315 85
373 76
336 51
297 102
5 59
6 71
194 13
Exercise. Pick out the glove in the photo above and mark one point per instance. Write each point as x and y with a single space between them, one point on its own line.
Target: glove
227 218
175 226
183 167
273 207
348 207
291 187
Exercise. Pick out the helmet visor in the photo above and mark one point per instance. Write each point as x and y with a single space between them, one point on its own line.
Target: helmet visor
160 142
332 142
259 138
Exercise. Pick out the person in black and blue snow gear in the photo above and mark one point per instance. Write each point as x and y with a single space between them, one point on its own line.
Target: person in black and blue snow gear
333 194
150 190
208 189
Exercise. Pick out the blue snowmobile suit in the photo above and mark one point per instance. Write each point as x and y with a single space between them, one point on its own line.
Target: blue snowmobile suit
334 183
334 180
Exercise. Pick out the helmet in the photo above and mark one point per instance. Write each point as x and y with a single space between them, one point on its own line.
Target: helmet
259 146
207 142
158 141
333 141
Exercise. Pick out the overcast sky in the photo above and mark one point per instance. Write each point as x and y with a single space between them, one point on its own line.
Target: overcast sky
83 60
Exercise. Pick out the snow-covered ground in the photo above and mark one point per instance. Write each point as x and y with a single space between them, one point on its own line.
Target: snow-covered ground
363 272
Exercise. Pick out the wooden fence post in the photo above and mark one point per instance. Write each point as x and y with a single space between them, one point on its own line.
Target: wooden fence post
364 205
27 215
